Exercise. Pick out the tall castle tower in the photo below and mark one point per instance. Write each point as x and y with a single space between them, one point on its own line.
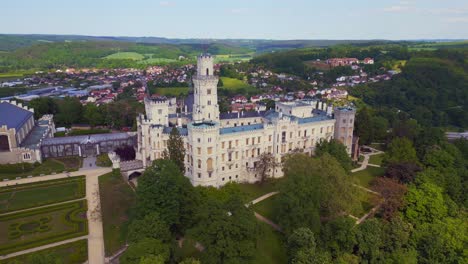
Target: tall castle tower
344 126
205 92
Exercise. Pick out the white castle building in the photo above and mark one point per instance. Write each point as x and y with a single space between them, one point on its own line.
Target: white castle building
225 147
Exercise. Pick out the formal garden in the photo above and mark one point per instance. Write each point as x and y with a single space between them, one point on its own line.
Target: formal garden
70 253
30 195
37 227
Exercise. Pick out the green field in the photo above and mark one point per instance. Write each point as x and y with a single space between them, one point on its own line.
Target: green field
230 58
126 56
170 91
366 176
25 196
42 226
117 198
252 191
236 85
157 61
70 253
266 207
376 159
271 248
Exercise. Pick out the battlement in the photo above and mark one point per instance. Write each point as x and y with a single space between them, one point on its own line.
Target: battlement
19 105
204 127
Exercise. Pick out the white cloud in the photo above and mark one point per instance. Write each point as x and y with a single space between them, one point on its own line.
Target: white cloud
456 20
166 3
397 8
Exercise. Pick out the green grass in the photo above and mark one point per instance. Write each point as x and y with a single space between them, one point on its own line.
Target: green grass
236 85
271 248
377 146
170 91
116 200
126 56
368 201
47 167
64 221
72 253
25 196
254 190
157 61
230 58
376 159
366 176
266 207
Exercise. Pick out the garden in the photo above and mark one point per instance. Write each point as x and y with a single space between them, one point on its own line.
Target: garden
30 195
49 166
37 227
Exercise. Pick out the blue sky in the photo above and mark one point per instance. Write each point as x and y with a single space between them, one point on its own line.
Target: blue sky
270 19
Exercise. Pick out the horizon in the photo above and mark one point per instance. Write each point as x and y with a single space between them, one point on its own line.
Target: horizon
261 19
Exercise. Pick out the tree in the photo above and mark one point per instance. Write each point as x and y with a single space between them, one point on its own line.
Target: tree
226 229
314 188
93 115
69 111
424 203
338 236
363 127
400 150
337 150
404 172
392 193
125 152
190 261
176 150
145 250
266 163
301 238
151 226
43 105
163 189
369 240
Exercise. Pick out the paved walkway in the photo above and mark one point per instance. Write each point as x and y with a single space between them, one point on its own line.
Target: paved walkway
95 237
31 250
261 198
365 162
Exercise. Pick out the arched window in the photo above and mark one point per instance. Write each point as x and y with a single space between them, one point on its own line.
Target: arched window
207 71
209 164
199 164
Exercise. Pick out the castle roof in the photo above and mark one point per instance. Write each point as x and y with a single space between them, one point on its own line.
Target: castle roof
237 129
13 116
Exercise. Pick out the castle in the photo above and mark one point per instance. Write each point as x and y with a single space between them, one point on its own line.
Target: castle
226 147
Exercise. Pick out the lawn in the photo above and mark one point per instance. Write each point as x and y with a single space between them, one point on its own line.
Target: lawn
368 201
126 56
42 226
252 191
25 196
366 176
266 207
271 248
170 91
237 85
72 253
157 61
376 159
117 198
230 58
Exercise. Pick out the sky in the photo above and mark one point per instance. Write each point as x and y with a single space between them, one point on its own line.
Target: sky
247 19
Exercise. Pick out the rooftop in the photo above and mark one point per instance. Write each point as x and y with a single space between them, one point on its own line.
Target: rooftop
182 130
85 139
32 140
13 116
237 129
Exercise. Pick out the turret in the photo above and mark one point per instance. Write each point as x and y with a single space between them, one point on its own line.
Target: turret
344 126
205 92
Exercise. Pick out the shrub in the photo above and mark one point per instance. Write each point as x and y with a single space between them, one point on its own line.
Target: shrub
103 160
17 168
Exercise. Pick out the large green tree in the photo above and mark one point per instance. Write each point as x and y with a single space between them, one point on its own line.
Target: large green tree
151 226
337 150
176 149
147 248
400 150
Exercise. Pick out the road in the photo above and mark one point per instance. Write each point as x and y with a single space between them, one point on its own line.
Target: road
95 236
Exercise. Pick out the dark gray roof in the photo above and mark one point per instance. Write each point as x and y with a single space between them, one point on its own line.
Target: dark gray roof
13 116
96 138
182 130
246 114
237 129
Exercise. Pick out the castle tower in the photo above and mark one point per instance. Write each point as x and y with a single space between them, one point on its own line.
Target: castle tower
205 92
344 126
157 110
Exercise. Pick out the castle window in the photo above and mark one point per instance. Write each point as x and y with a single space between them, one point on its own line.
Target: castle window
351 121
344 121
258 139
222 157
209 164
209 102
199 164
321 130
230 177
199 175
222 144
209 140
207 71
269 138
210 150
222 168
237 142
26 156
208 91
283 136
199 150
237 176
198 139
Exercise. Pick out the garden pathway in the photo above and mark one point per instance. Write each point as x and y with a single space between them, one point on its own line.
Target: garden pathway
95 236
365 162
42 206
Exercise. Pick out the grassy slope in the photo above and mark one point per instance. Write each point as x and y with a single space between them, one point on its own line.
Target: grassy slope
366 176
116 199
376 159
125 56
271 248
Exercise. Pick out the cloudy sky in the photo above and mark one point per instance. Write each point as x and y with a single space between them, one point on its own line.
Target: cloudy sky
270 19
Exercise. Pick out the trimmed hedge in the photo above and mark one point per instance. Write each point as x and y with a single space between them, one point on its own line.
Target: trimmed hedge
80 226
18 167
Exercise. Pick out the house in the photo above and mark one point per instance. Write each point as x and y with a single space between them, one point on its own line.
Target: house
368 61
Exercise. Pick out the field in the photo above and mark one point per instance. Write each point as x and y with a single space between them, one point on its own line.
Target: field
170 91
42 226
38 194
271 248
236 85
230 58
126 56
254 190
71 253
117 198
366 176
319 65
